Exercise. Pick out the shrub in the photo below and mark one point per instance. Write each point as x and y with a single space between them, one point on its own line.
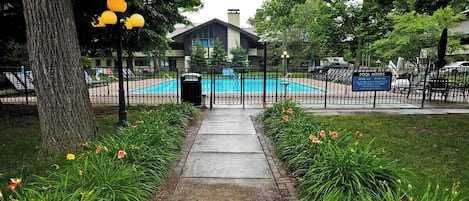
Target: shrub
127 165
330 162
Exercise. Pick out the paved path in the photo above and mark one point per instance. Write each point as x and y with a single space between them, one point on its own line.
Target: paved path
227 161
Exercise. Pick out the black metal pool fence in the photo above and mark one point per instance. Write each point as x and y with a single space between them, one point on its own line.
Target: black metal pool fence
334 87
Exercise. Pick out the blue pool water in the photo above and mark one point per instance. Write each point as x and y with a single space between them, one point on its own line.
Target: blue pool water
230 85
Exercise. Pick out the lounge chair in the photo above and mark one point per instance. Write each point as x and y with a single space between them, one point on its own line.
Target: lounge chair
129 74
94 83
21 82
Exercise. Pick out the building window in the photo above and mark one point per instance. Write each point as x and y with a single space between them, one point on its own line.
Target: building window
98 62
108 62
203 42
140 62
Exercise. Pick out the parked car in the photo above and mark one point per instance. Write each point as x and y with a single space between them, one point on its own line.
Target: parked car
324 68
458 66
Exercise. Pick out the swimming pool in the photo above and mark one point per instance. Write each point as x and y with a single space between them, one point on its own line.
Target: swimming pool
230 85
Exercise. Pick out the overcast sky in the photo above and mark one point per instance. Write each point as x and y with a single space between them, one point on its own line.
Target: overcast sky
219 9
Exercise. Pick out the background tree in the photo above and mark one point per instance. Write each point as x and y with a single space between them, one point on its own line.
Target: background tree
413 32
240 57
64 107
218 55
160 18
273 16
428 7
12 38
198 62
274 23
322 35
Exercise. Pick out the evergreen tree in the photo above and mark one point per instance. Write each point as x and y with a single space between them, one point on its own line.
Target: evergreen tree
239 59
218 56
198 62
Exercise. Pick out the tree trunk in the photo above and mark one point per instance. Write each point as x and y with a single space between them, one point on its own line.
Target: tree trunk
358 54
64 106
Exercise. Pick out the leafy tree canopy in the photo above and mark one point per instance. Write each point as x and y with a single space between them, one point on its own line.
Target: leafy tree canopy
160 18
413 32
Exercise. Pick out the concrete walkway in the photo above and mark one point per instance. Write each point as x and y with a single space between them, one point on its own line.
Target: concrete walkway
227 161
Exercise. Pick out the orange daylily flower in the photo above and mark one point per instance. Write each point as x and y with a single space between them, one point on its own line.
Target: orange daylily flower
290 111
358 133
14 183
322 134
121 154
285 118
334 135
99 149
314 139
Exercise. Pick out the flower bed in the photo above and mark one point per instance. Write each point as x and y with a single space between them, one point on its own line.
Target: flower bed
128 165
334 164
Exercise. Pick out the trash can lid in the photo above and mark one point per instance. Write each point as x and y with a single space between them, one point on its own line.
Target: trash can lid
191 75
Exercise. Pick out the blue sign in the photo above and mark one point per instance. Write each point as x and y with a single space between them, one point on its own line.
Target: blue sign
227 72
371 81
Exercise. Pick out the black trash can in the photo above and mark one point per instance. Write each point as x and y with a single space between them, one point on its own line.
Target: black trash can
191 88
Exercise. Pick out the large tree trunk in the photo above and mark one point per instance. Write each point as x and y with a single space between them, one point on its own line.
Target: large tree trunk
358 54
64 107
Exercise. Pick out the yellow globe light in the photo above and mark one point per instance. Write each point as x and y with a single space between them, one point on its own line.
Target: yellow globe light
98 23
136 20
108 17
127 24
117 5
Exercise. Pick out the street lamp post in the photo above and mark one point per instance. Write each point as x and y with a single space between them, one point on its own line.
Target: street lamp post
285 58
115 18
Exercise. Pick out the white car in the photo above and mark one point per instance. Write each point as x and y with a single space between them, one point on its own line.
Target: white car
458 66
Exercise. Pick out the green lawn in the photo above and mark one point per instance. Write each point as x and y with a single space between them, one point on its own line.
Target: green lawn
435 146
20 139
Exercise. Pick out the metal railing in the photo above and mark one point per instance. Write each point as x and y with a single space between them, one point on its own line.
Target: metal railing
248 87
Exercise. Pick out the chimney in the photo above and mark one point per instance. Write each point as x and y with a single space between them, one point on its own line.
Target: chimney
233 17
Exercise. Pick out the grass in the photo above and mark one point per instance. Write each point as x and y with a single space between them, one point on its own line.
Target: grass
435 146
7 92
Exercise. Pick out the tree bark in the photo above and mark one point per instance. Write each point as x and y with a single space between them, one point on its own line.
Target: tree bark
358 54
64 106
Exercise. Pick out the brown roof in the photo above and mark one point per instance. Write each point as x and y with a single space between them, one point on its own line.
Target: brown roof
180 32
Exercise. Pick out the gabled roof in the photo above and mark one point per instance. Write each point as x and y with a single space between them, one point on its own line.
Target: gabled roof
179 33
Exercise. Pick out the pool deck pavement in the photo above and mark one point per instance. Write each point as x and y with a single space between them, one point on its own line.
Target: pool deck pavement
229 158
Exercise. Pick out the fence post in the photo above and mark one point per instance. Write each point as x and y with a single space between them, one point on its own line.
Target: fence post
325 94
276 84
424 87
